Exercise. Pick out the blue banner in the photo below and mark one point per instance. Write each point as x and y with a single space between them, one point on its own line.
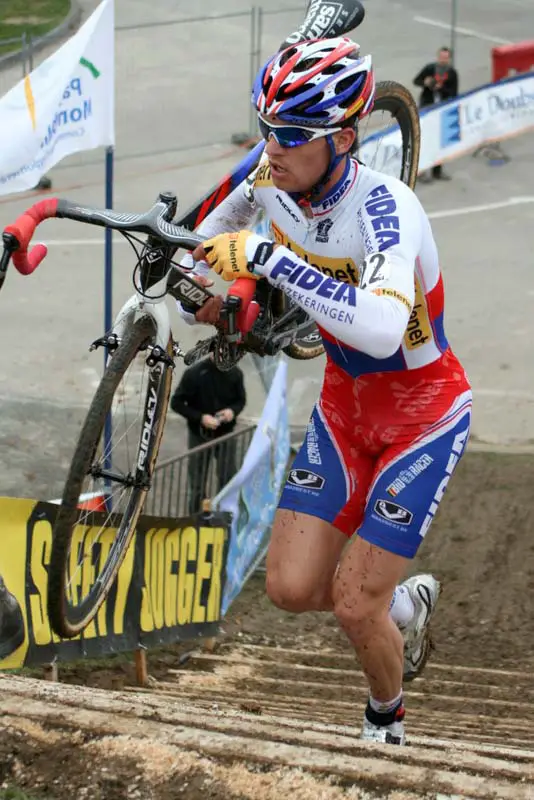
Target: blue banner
252 495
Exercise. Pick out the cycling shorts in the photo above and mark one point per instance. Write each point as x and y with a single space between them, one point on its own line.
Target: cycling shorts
383 480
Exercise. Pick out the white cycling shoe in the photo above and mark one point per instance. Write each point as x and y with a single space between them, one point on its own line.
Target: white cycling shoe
424 591
383 734
374 729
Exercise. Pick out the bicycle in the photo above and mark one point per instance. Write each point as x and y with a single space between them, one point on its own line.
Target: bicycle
255 318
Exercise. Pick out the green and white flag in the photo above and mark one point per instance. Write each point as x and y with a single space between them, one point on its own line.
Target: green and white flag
64 106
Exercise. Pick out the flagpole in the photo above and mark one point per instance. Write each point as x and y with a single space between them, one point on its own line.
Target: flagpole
108 246
108 290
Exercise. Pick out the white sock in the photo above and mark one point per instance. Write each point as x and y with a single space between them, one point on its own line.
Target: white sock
402 608
385 706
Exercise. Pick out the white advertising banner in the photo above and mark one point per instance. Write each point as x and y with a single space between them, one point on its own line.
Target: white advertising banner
449 130
64 106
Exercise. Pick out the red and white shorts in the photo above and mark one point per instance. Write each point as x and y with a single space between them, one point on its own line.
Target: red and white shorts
380 450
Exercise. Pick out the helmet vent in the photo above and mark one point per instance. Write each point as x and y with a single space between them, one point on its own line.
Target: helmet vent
332 69
302 108
291 91
287 55
305 64
345 83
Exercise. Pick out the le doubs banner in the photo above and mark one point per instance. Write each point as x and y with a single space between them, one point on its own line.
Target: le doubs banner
64 106
169 587
449 130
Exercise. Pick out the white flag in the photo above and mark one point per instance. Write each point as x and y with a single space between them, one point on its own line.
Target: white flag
64 106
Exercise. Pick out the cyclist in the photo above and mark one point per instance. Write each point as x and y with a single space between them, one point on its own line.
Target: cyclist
355 250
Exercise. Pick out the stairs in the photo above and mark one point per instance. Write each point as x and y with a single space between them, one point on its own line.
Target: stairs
273 707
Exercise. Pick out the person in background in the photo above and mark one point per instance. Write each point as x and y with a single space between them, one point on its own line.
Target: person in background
439 82
210 401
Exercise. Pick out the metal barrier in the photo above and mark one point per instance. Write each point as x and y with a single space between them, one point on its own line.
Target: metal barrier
180 484
214 58
267 37
179 80
512 59
506 61
20 64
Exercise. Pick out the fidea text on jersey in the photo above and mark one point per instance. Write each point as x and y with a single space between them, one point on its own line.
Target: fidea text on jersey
382 209
342 269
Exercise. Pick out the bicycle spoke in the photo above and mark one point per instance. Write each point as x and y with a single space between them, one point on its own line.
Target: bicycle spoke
382 155
116 461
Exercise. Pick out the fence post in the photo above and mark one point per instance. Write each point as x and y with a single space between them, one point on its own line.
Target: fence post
259 36
253 18
23 53
51 672
30 53
454 18
141 669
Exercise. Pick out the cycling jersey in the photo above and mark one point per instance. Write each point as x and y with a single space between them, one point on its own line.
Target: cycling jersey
362 262
364 243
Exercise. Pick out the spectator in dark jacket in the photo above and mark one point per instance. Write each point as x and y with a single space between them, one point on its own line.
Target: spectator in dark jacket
439 82
210 401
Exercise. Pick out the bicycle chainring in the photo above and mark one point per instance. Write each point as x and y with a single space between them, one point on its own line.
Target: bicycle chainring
225 354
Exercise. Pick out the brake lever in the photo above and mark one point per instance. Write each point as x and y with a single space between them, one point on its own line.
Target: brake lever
10 246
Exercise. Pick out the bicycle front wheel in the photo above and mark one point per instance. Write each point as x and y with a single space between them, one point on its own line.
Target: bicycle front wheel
111 468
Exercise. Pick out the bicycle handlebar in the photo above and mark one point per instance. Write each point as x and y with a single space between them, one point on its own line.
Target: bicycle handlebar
17 238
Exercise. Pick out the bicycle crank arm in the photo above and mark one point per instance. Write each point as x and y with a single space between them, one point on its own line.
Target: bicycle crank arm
293 312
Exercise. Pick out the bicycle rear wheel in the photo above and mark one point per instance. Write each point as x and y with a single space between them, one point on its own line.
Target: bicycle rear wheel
390 136
309 343
116 468
399 120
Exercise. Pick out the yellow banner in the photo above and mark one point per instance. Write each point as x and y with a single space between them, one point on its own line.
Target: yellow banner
169 586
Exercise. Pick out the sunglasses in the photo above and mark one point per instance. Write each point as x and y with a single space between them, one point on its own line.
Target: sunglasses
291 136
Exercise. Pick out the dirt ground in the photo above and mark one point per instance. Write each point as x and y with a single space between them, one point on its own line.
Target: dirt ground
481 547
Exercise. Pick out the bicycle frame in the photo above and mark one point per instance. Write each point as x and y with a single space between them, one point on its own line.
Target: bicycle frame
69 615
139 304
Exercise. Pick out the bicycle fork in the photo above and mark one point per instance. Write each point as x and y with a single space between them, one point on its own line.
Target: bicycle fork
159 359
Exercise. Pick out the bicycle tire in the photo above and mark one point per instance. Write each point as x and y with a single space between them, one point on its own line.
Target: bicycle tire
395 98
398 100
67 620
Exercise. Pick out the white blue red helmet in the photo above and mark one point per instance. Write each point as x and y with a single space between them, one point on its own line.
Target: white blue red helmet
319 83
